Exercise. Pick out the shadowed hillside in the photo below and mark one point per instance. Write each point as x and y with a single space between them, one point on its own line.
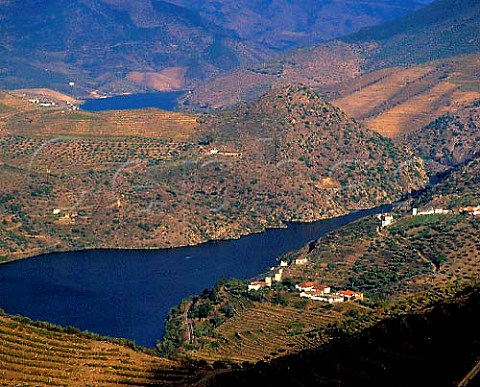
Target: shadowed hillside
443 29
438 347
115 46
450 140
281 24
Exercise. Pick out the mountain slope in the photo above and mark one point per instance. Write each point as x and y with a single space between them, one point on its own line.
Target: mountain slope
42 354
130 179
450 140
411 350
398 100
112 45
123 45
444 29
281 24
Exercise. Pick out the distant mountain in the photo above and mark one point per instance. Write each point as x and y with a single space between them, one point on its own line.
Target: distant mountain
280 24
125 45
443 29
112 45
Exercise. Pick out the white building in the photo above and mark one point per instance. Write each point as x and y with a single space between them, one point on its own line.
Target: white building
320 296
386 219
301 261
256 285
278 275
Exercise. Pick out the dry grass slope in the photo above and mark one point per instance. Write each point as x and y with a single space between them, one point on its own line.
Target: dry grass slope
21 117
35 356
398 100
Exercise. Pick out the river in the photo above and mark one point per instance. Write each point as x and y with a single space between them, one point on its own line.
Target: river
161 100
128 293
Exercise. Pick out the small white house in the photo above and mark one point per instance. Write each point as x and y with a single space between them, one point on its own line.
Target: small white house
283 263
256 285
351 295
301 261
213 151
278 275
332 298
325 289
305 286
386 219
56 211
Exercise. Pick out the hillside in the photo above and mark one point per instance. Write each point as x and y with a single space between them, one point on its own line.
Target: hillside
397 101
389 265
127 46
450 140
443 29
115 46
43 355
459 188
284 24
410 350
289 156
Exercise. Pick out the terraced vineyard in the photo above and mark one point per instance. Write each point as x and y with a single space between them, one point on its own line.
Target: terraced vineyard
263 331
408 347
42 356
71 154
148 123
412 255
397 100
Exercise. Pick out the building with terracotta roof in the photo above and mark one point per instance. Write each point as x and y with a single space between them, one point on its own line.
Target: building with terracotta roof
351 295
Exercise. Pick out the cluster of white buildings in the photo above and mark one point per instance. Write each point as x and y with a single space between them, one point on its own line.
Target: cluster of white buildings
471 210
320 292
42 103
431 211
276 274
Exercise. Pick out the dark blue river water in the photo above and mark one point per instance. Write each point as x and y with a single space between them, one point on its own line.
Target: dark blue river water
128 293
162 100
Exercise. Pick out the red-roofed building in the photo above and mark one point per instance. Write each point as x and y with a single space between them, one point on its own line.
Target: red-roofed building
305 286
323 288
350 294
